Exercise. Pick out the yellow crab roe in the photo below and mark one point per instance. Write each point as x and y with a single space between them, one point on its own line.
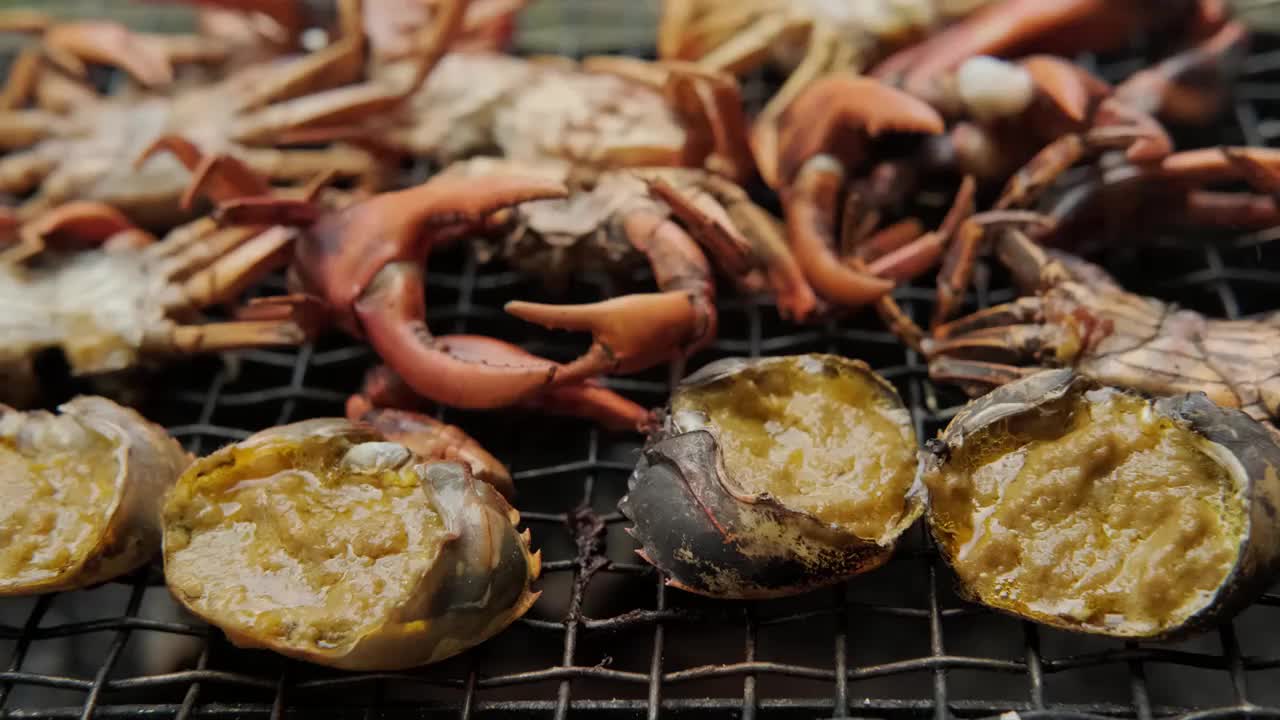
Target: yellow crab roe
283 546
831 444
54 505
1100 514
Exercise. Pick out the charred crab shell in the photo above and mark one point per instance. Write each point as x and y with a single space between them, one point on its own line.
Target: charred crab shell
1246 449
477 583
147 463
709 536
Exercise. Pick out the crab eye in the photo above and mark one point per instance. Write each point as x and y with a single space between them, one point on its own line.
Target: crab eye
1102 511
776 475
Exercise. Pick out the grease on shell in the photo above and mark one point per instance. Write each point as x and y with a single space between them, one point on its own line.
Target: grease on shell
773 476
323 541
80 494
1101 511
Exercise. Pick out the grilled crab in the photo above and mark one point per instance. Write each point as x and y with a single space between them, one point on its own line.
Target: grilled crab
1081 319
390 24
772 476
64 49
620 219
89 152
82 492
1031 119
600 114
810 38
1098 510
337 544
362 267
86 281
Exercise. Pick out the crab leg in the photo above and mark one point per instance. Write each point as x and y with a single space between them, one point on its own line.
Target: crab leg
342 105
811 210
23 128
748 48
636 332
1188 87
759 244
234 335
819 138
1173 181
20 84
339 63
376 283
822 56
709 102
220 176
587 400
74 224
977 377
199 247
72 44
1004 28
288 14
232 273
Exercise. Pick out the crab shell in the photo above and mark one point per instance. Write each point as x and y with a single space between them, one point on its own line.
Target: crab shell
149 462
1249 450
707 535
477 585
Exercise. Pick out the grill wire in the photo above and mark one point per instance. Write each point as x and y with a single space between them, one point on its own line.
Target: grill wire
607 639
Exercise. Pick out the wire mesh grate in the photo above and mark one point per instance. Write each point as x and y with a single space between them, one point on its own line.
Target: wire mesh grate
607 639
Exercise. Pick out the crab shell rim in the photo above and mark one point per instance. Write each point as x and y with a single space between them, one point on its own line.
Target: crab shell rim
1253 447
684 505
410 636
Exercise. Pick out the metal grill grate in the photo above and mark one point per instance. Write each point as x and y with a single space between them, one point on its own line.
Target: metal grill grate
607 639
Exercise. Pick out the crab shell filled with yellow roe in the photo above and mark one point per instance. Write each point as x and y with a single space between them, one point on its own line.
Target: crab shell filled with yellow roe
322 541
80 494
773 476
1102 511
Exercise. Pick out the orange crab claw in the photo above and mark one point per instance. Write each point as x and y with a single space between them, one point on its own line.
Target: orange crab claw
835 116
635 332
1010 27
811 208
390 312
588 400
631 333
72 44
1069 88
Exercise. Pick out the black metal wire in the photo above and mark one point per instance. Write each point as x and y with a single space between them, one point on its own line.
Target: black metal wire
890 644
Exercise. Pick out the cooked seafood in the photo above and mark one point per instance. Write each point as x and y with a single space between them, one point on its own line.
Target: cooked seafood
80 494
619 219
1092 509
86 151
362 267
1041 114
324 541
110 297
773 476
603 113
810 38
